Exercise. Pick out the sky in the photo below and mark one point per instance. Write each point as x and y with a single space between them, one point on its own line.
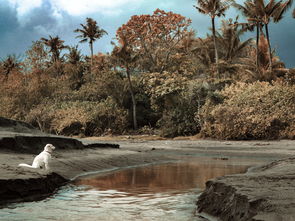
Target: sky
24 21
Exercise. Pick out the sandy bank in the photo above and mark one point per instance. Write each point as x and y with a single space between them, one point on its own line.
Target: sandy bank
264 194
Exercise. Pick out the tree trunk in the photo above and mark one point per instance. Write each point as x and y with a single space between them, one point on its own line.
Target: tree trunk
91 54
133 99
257 44
215 45
269 47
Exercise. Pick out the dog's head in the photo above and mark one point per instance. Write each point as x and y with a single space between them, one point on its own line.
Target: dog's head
49 147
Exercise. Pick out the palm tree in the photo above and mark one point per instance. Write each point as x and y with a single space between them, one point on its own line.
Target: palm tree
249 11
259 13
9 64
74 56
293 13
55 45
90 32
213 8
232 50
273 10
263 73
123 55
230 40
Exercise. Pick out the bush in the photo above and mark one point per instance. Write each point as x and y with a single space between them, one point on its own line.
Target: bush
79 118
21 93
179 119
251 111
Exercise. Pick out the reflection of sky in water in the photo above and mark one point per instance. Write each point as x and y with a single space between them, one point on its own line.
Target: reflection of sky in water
178 176
158 192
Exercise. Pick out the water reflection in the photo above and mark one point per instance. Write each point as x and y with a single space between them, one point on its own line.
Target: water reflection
156 192
179 176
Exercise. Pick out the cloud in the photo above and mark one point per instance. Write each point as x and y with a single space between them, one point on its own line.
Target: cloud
74 7
78 7
24 21
24 6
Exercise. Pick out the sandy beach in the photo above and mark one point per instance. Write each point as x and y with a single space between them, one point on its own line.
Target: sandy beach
264 193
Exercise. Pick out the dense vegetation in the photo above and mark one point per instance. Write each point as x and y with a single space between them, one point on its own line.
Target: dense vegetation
160 77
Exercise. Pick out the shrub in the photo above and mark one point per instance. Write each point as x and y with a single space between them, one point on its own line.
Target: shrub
90 118
179 121
99 86
251 111
21 93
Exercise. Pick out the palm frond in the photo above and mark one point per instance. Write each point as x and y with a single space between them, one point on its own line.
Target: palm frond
201 10
278 15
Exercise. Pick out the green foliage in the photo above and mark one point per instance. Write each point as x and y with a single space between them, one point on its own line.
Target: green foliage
161 87
251 111
179 120
177 98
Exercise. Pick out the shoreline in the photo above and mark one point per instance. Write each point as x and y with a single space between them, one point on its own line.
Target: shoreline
74 162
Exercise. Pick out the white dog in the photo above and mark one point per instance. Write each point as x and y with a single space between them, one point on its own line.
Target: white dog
42 159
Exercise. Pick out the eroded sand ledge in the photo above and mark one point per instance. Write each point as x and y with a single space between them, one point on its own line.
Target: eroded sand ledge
264 194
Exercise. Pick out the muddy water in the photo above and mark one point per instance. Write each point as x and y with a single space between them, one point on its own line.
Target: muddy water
154 192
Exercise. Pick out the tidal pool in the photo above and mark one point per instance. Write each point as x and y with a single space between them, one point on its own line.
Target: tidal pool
151 192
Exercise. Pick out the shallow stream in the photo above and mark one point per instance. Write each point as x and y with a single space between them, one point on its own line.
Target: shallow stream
149 192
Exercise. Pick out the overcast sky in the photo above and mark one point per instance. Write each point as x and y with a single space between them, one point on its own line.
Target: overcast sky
24 21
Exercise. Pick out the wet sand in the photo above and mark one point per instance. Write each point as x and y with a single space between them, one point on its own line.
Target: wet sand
271 196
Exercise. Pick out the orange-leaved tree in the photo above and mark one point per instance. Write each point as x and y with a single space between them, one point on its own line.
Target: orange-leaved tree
155 39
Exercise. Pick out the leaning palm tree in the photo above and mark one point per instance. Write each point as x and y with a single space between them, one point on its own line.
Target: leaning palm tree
55 45
90 32
213 8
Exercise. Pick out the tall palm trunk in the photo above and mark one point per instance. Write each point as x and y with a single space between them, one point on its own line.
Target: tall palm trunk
269 47
257 44
215 45
91 53
133 98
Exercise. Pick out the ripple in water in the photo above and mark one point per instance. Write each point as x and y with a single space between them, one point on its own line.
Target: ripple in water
155 192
